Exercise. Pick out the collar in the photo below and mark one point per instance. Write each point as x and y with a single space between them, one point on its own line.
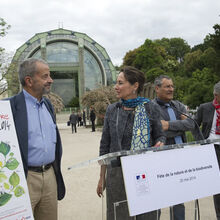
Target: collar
160 102
31 98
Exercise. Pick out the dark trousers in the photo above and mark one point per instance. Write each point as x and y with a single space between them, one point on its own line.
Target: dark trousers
217 205
84 122
93 125
178 212
73 126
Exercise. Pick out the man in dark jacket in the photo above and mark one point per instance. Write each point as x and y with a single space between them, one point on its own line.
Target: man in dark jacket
174 124
73 120
39 139
92 118
208 117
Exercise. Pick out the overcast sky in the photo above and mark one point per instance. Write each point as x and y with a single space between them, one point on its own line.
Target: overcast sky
118 25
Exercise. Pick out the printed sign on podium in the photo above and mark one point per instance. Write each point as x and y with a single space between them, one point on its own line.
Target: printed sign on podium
157 180
14 197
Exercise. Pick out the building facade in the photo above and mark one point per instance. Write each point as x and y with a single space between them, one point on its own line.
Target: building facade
77 62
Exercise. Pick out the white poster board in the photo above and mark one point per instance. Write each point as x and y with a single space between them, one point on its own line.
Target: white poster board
14 197
161 179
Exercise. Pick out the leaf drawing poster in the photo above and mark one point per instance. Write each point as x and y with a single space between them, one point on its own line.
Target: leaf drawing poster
14 197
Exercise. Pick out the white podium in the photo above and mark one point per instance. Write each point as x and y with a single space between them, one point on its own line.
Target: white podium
156 178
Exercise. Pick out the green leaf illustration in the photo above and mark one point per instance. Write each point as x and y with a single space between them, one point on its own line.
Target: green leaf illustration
6 186
14 179
12 164
11 154
4 198
4 148
3 177
19 191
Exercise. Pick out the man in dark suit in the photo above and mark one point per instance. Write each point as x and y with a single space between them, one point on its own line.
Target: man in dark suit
39 139
73 120
174 124
208 117
92 118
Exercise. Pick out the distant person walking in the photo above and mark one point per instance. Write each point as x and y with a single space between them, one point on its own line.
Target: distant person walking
79 119
84 118
73 120
92 118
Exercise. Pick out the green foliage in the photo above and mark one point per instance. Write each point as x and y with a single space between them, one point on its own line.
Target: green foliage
200 87
175 47
3 27
12 78
189 136
4 57
129 57
215 38
153 73
209 58
192 62
149 56
194 71
74 102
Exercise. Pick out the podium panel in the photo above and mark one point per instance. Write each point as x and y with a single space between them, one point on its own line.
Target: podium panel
87 205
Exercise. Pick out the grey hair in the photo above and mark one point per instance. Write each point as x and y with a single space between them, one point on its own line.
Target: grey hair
217 88
28 68
158 80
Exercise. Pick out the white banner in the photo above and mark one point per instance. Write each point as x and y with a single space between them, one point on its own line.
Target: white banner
14 197
161 179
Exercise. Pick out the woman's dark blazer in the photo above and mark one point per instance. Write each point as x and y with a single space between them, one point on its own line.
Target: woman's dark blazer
110 136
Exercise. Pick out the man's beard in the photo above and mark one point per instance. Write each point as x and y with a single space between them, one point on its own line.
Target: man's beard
47 89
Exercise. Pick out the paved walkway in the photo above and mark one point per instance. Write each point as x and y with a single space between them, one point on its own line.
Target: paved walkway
81 201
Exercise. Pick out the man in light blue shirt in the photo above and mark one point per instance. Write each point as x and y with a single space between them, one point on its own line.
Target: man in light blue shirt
39 139
41 132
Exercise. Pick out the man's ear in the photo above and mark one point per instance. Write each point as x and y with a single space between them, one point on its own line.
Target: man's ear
28 81
156 88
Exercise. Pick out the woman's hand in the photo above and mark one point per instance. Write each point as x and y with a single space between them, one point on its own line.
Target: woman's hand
159 144
101 187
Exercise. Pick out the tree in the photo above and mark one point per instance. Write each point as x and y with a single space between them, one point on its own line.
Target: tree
215 38
12 79
209 58
175 47
99 99
192 61
205 45
56 101
5 59
199 88
129 57
153 73
3 62
215 42
3 27
149 55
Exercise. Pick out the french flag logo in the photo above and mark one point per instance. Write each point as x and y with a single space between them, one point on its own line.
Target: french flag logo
141 177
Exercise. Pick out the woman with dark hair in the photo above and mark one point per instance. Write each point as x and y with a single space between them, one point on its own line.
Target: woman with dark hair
132 123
